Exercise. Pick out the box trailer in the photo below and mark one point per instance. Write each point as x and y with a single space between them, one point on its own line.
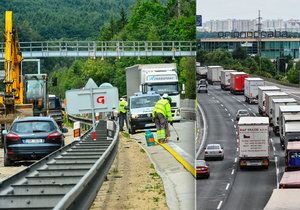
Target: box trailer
290 179
269 97
201 71
253 142
225 79
261 97
276 103
237 82
214 74
284 199
251 89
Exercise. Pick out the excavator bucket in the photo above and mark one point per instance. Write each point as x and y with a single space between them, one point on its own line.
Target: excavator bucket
23 110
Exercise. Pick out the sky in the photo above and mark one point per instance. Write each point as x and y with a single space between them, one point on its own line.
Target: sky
248 9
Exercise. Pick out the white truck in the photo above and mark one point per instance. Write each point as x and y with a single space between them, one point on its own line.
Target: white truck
261 97
276 103
160 78
214 74
284 120
225 79
268 101
251 89
253 142
201 71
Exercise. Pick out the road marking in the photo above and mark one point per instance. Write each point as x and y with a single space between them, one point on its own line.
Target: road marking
227 186
254 114
271 140
274 149
226 110
220 204
229 114
232 172
234 126
235 160
237 149
277 170
222 105
232 120
276 159
236 133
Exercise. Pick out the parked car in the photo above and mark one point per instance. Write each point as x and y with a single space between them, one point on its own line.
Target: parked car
31 138
213 151
202 169
241 113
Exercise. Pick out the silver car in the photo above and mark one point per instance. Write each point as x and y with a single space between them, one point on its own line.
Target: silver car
241 113
213 151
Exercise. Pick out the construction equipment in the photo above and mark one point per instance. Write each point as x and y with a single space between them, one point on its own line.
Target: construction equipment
12 100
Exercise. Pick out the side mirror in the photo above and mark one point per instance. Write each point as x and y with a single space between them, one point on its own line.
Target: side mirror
65 130
4 132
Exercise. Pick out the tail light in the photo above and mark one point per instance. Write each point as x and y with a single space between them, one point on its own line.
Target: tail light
54 135
206 152
220 151
10 151
12 137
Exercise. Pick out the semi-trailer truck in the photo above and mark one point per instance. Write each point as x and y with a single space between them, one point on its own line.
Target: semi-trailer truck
284 199
160 78
292 156
268 101
201 71
261 97
214 74
225 79
237 82
276 103
253 142
290 179
251 89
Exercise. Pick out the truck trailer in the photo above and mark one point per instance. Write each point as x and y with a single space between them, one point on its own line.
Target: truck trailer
276 103
160 78
225 79
261 97
237 82
253 142
214 74
268 101
284 199
251 89
290 179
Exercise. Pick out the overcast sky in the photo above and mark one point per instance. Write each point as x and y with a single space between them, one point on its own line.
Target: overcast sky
248 9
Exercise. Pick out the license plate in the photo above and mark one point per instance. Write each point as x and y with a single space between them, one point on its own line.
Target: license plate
254 163
34 141
149 125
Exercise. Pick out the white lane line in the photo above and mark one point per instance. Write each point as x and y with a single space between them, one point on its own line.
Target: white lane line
232 120
220 204
234 126
226 110
276 159
222 105
229 114
277 170
237 149
236 133
232 172
235 160
227 186
271 140
274 149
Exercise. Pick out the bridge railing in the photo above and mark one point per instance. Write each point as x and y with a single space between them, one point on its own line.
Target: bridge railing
121 47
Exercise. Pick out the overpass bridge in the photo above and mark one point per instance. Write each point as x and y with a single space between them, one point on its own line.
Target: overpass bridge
94 49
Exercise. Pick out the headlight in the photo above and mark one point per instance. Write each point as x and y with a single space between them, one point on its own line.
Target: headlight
134 116
148 115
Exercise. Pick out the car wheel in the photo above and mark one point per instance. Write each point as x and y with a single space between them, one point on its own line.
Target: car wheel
8 162
222 158
207 176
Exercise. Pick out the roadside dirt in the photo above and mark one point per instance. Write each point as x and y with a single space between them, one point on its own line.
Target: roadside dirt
132 181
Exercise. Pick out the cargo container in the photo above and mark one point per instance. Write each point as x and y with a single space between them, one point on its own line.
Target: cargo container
269 97
225 79
214 74
276 103
201 71
253 141
284 199
290 179
237 82
251 89
261 97
292 156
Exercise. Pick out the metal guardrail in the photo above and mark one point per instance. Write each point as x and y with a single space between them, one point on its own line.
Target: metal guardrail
105 49
66 179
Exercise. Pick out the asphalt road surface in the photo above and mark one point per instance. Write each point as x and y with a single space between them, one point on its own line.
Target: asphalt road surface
229 187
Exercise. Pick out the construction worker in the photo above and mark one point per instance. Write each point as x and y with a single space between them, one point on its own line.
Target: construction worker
161 115
122 113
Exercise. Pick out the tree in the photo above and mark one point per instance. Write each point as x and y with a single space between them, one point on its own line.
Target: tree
239 53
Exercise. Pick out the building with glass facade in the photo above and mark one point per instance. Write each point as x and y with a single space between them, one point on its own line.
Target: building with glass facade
272 48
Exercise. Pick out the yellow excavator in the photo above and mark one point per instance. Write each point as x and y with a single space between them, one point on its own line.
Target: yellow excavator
12 99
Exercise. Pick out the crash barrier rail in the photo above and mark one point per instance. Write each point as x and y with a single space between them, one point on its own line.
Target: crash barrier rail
68 178
105 49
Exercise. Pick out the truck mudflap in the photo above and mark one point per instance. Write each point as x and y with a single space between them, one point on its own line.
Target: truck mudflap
257 162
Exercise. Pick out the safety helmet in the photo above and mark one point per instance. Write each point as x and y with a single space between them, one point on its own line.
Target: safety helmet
165 95
122 99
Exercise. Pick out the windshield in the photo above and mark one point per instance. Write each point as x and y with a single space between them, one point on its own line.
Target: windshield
243 112
35 89
33 127
164 88
213 147
294 158
54 103
141 102
292 136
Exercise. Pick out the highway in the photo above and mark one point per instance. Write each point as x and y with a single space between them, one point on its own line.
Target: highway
228 187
